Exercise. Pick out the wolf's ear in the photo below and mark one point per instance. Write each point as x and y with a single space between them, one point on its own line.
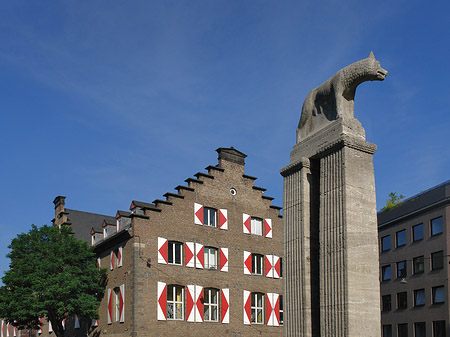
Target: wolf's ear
371 56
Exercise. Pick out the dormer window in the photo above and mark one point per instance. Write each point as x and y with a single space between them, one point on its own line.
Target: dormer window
105 232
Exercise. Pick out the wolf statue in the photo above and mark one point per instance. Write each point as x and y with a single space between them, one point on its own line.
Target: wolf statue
334 99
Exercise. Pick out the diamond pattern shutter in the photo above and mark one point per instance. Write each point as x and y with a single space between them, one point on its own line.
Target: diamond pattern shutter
269 309
111 264
276 309
223 219
119 256
64 323
122 303
189 254
247 263
223 259
110 305
77 322
99 262
268 228
198 214
7 328
1 332
276 266
94 322
269 265
198 304
247 307
15 331
162 301
190 303
162 250
247 224
50 328
199 256
225 305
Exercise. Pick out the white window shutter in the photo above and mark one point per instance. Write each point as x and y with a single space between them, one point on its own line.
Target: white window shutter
223 255
119 256
247 263
198 307
162 250
162 301
189 255
269 309
199 256
246 223
94 322
50 328
110 306
223 219
276 266
1 332
269 265
122 303
225 305
190 303
247 307
99 262
276 309
198 214
268 228
77 322
63 323
111 264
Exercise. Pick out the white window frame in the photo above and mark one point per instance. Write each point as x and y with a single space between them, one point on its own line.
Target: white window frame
116 304
209 306
207 217
173 245
256 226
210 255
255 258
173 289
255 308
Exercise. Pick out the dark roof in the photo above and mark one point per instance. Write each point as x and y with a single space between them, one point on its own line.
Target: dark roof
83 222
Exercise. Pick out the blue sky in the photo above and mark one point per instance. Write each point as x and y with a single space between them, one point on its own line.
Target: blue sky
109 101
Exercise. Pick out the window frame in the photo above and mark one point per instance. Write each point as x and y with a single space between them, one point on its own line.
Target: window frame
208 305
416 263
432 232
253 221
207 211
402 325
402 300
175 302
422 325
386 303
414 239
401 273
397 237
207 257
434 292
435 259
416 293
387 333
383 272
382 242
172 251
441 328
116 306
255 258
254 308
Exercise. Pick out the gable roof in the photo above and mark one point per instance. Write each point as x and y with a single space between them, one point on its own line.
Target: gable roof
82 222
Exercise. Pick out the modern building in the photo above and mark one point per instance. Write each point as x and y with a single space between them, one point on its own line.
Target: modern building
205 261
414 265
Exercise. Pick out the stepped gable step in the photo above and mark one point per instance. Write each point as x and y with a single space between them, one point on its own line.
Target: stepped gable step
192 180
259 188
217 168
159 201
174 195
201 174
266 197
249 177
276 207
145 205
181 187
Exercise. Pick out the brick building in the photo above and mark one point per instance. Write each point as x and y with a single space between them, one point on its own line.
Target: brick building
414 265
204 261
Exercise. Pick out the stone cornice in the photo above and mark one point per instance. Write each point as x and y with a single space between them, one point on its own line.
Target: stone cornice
295 166
347 141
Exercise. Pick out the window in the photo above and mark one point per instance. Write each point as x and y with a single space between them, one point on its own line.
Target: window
439 329
256 226
401 238
437 260
386 273
419 297
281 310
210 258
436 226
281 267
402 300
174 252
418 232
385 243
209 217
116 304
401 269
438 295
175 305
387 330
210 305
257 308
386 303
402 330
257 264
419 329
418 265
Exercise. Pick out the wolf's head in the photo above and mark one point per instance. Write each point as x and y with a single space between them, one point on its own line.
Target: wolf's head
377 73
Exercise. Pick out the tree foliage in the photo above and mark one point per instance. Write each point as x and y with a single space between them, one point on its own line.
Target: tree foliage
51 274
393 201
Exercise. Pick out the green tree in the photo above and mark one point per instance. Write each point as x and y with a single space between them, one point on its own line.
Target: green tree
393 201
51 274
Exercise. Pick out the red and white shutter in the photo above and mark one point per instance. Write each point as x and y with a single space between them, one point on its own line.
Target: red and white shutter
247 223
94 322
190 303
225 305
41 323
199 256
269 309
1 332
276 266
269 265
111 264
7 328
247 263
99 262
119 256
50 328
122 303
63 323
276 309
162 250
198 308
110 305
223 259
189 254
15 331
198 214
268 228
77 322
162 301
223 219
247 307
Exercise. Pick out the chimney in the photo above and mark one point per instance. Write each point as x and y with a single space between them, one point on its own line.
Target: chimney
230 157
60 211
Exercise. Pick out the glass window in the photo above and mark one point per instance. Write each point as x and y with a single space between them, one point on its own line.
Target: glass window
419 329
385 243
438 294
418 232
281 310
436 226
386 273
210 257
437 260
174 252
418 265
209 216
281 267
386 302
401 238
116 304
401 269
175 302
402 300
210 305
419 297
256 226
257 308
402 330
387 330
257 264
439 329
